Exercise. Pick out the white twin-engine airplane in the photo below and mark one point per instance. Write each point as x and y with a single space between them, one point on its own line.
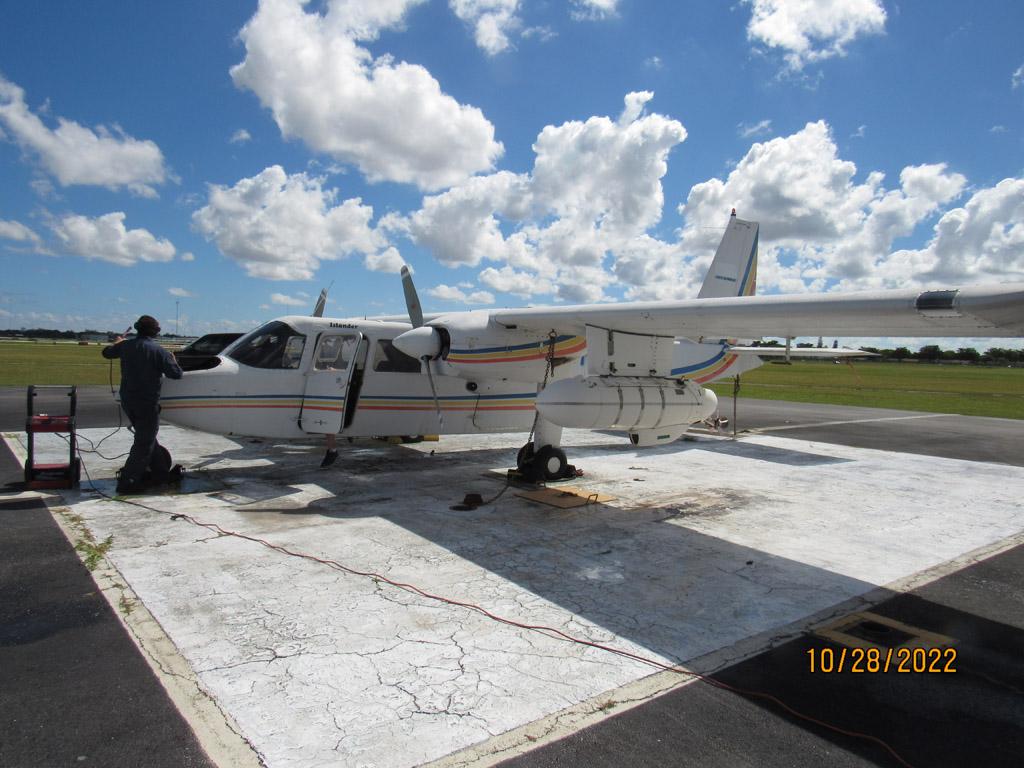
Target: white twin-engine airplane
636 367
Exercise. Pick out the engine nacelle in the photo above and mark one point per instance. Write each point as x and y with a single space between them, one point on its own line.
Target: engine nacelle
618 402
472 346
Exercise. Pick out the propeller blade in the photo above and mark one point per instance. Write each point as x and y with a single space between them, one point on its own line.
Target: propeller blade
433 391
318 310
412 301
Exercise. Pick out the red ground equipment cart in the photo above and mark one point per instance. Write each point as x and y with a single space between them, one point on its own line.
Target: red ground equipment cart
62 475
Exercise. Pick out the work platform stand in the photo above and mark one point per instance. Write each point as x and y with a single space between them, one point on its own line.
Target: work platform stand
44 476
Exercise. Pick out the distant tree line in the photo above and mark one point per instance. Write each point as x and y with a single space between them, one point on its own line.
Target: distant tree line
931 353
49 333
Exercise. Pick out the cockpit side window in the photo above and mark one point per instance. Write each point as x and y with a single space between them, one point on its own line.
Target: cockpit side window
275 345
335 352
389 359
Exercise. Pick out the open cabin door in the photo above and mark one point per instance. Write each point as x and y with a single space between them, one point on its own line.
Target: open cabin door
329 380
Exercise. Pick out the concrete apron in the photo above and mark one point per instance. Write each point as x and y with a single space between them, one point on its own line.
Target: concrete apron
711 550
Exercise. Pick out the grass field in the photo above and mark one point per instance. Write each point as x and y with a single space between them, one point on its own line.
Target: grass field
44 362
970 390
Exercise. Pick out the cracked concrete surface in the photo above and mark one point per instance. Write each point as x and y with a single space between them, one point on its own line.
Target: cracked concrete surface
708 544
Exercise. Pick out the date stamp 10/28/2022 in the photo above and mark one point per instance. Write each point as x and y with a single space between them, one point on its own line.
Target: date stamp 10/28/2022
867 642
873 660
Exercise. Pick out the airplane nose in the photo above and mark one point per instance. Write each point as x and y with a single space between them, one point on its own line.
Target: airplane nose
420 342
200 399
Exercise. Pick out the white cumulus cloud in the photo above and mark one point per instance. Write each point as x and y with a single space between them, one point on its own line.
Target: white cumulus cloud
453 293
807 31
281 227
106 238
582 221
241 136
594 9
594 188
181 293
981 241
76 155
810 207
508 280
389 118
492 21
288 301
15 230
388 260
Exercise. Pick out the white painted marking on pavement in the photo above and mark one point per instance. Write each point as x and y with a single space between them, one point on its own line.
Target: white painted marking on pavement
851 421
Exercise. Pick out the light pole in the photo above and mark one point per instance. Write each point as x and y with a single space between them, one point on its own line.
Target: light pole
176 303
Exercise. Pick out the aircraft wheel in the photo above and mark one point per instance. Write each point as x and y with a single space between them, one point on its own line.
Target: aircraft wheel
550 463
524 458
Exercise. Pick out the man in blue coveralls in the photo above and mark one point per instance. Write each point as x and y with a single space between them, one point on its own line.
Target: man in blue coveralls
144 363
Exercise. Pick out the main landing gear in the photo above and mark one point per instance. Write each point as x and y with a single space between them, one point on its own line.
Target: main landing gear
545 465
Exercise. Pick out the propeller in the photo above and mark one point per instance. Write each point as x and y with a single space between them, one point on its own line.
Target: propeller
433 391
422 342
412 301
321 303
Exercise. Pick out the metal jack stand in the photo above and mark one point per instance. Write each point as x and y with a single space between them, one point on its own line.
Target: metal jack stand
44 476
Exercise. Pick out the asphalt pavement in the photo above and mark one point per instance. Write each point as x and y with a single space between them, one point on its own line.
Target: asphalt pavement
74 688
973 716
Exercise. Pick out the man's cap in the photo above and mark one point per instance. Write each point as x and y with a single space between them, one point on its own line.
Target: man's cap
147 326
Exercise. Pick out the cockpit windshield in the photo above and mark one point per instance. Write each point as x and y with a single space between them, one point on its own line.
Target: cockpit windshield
274 345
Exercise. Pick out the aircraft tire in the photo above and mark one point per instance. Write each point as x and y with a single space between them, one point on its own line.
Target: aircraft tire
524 459
550 463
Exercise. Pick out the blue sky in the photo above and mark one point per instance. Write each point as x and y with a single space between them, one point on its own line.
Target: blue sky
236 157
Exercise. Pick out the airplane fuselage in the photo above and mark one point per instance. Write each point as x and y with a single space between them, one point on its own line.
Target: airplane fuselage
304 375
368 389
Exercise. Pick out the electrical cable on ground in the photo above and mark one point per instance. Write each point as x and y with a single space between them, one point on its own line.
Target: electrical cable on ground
553 632
95 447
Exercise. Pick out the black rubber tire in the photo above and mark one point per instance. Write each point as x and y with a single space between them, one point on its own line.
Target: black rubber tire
550 463
524 458
159 466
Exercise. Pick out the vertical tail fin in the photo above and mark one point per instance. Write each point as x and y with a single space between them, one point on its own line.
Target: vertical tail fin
734 269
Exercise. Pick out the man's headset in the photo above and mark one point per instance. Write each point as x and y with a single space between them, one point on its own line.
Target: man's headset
147 326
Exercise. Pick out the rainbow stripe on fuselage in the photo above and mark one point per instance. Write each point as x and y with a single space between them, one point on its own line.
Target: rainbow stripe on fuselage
565 346
710 368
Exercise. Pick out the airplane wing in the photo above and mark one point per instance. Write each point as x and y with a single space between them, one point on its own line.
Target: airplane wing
978 311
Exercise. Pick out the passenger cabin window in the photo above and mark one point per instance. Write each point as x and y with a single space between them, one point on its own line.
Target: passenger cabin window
275 345
336 352
388 359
